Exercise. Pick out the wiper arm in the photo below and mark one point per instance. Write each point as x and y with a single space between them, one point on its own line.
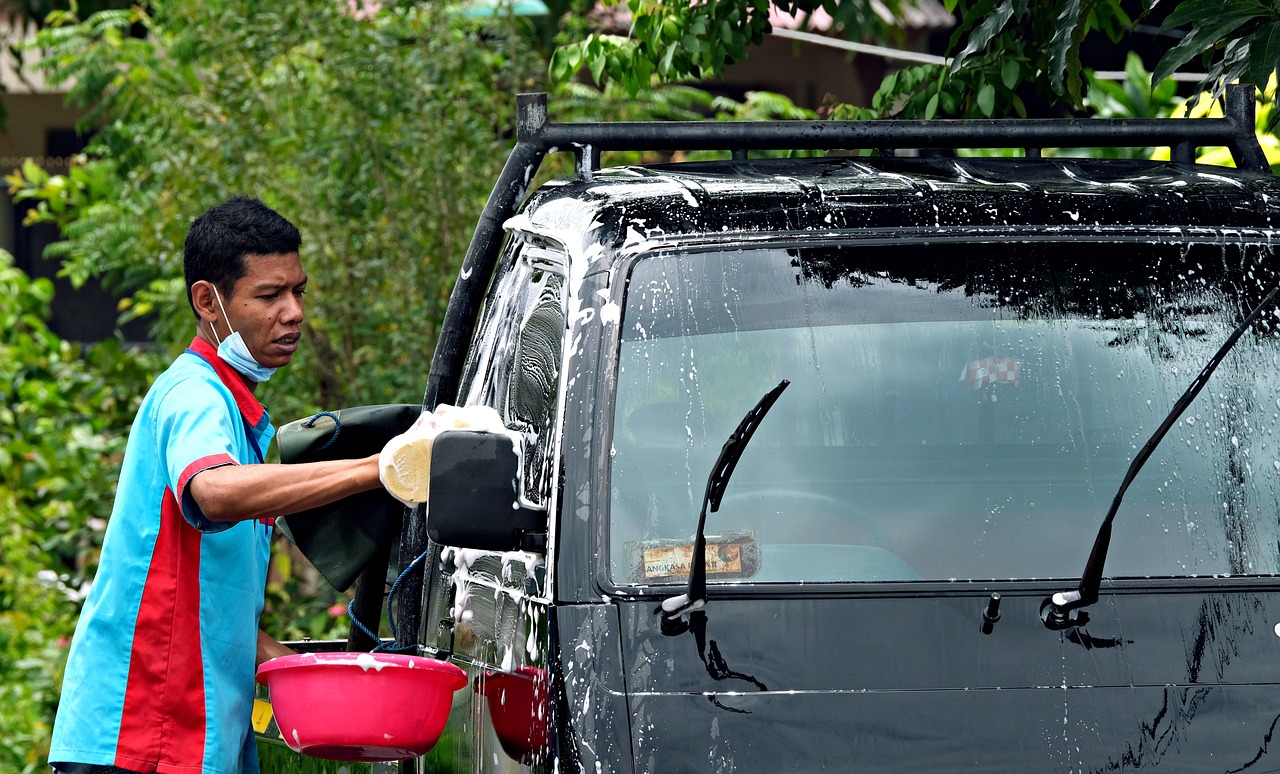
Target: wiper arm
695 595
1059 606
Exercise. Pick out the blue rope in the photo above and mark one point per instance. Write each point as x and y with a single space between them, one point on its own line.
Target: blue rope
387 645
351 613
337 427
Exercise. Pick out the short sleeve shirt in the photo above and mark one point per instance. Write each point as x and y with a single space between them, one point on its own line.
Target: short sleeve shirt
160 675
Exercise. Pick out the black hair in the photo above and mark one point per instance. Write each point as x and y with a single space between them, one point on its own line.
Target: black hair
220 239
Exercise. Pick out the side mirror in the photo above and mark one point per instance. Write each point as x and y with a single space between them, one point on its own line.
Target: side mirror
474 496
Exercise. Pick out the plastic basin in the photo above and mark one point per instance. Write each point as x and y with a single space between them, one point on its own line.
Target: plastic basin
518 709
361 706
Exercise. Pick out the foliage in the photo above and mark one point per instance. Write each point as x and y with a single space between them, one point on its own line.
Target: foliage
64 415
1042 36
375 135
1131 98
678 40
1137 96
1002 51
1237 40
1006 43
987 87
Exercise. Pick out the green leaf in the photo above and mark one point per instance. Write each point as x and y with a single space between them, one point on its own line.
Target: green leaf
1112 20
1202 11
1134 71
1165 91
670 30
993 22
1009 74
1019 107
888 83
664 65
559 66
1201 39
597 64
987 99
1064 41
34 173
931 108
1264 51
642 26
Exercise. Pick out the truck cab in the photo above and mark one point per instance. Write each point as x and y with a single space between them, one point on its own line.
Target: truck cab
963 357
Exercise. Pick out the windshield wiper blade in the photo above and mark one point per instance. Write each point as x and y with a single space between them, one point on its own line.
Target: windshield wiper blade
695 595
1058 607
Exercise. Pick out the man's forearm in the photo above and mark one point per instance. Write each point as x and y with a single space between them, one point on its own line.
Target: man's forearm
269 648
240 492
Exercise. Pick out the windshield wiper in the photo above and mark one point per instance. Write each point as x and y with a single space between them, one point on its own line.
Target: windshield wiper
695 595
1058 608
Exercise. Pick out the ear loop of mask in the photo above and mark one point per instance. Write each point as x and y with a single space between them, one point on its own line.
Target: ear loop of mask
212 328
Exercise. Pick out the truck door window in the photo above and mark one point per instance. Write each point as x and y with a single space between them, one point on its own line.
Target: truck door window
957 411
515 364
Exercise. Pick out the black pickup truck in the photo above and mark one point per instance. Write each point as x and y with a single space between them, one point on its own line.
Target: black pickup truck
938 433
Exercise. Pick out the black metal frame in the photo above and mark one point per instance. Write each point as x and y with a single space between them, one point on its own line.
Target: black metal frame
536 137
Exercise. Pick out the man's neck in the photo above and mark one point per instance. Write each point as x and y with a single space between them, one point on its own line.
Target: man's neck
202 333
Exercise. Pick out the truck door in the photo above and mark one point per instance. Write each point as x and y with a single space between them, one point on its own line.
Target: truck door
488 609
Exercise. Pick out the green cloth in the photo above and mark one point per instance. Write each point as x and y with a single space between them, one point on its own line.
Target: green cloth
340 538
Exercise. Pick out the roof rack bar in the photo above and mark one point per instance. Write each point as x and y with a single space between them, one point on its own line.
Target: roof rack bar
833 135
586 160
1240 111
877 135
1235 131
1183 153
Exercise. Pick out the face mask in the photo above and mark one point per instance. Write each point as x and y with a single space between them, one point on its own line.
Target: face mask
235 353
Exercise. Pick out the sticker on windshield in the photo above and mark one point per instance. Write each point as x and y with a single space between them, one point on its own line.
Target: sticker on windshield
729 557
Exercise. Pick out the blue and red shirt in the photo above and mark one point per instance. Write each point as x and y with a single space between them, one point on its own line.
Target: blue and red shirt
160 676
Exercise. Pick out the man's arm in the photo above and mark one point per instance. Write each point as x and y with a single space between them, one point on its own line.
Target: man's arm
269 648
241 492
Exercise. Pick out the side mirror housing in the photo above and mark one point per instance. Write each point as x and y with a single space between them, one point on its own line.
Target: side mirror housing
474 497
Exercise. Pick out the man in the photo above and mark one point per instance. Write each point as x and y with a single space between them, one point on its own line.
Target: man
160 677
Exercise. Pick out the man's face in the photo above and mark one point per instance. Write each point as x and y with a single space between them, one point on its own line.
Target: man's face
265 305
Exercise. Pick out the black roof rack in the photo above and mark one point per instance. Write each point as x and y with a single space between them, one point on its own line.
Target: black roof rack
536 137
1235 131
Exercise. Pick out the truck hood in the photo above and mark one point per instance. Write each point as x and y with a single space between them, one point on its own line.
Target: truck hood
1181 680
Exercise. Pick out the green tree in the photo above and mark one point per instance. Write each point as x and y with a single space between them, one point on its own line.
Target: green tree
1000 52
374 131
64 417
678 40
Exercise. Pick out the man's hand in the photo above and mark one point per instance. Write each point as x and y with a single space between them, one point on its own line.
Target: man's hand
241 492
269 648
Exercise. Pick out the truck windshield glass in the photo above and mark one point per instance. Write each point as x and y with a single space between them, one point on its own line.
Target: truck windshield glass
957 411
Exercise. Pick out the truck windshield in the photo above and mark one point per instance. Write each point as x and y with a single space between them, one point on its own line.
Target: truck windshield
957 411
